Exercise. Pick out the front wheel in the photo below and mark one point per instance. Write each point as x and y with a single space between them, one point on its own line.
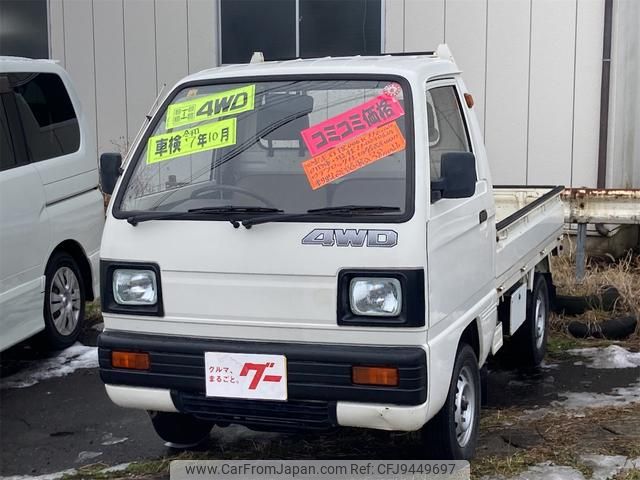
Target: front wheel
453 433
179 429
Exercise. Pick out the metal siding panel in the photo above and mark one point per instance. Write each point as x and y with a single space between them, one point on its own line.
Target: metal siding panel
56 31
110 76
79 56
507 89
172 55
466 34
551 91
587 92
394 26
203 34
623 150
140 61
424 24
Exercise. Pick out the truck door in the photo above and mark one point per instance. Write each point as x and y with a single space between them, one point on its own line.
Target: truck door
461 231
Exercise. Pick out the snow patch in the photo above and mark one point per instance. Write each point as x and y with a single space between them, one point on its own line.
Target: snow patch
613 356
109 439
548 366
575 403
116 468
617 397
48 476
604 466
87 455
544 471
68 361
72 471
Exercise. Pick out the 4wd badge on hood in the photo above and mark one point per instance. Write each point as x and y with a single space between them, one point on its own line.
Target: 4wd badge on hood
351 238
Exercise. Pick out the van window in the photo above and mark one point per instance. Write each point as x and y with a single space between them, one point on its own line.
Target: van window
7 158
48 118
447 132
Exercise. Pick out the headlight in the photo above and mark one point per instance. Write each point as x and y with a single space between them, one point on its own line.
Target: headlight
375 296
135 287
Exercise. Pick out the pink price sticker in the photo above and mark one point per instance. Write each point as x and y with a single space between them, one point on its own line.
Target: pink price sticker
352 123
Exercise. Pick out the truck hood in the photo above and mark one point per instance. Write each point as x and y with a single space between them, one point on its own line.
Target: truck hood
261 283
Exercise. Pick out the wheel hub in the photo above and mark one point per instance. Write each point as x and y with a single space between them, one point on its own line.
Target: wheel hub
540 320
65 300
465 407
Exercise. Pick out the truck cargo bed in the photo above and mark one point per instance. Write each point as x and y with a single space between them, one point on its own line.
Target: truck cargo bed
529 223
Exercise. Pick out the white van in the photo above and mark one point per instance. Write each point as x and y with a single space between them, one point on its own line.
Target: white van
51 210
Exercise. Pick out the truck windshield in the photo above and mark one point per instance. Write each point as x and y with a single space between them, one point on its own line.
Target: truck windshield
293 146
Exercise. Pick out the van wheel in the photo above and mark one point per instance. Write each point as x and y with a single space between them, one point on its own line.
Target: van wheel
530 341
64 298
453 433
179 429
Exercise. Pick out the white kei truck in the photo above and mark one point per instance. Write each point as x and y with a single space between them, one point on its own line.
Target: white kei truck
315 243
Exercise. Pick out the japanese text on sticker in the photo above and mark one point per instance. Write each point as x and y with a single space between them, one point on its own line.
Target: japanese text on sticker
171 145
356 121
217 105
353 155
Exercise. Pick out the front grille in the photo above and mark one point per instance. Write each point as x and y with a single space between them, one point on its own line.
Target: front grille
289 416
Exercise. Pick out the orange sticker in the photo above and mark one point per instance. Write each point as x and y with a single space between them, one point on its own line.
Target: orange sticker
353 155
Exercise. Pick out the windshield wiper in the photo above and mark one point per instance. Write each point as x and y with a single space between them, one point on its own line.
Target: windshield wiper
145 216
346 210
234 209
354 209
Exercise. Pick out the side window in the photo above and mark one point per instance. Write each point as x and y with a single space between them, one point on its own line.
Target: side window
447 132
7 158
48 119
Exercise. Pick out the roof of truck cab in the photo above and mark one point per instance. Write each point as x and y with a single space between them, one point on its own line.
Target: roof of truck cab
408 66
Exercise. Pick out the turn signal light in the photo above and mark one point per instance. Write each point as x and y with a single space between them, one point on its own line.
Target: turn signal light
469 99
130 360
375 376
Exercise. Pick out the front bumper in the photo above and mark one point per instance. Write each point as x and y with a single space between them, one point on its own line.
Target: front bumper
321 394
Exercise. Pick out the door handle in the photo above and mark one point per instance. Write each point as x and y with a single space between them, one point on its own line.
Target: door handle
483 216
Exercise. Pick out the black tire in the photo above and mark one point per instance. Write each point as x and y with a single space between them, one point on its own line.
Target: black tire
179 429
61 328
529 343
440 435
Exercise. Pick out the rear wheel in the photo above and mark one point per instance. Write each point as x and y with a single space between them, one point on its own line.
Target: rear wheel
530 341
179 429
63 301
453 433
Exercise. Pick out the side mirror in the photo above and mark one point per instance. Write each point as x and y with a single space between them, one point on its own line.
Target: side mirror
457 176
110 170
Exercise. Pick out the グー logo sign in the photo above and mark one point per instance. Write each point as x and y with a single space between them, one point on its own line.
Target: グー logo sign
239 375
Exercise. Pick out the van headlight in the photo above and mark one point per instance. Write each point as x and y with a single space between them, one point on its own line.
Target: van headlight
375 296
135 287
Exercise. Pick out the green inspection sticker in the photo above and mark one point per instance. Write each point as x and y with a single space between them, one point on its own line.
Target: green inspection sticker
217 105
191 140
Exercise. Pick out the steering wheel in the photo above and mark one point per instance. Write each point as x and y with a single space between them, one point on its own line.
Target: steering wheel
198 192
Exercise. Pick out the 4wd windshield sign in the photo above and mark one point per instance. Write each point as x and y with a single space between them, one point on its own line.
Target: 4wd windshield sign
222 104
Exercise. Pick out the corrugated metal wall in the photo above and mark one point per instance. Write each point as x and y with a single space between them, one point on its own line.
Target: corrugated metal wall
624 120
534 69
533 66
120 53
